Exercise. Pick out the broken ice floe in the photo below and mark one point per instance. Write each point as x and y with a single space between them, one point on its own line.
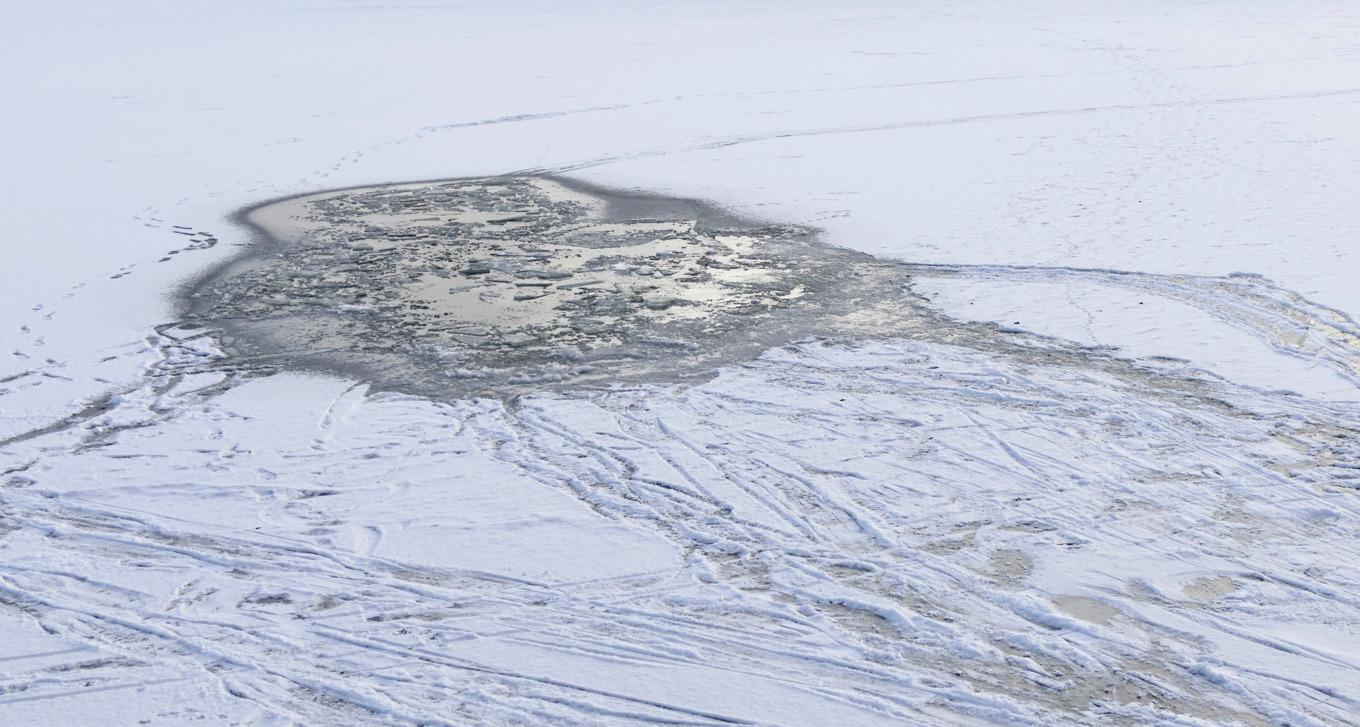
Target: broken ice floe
489 286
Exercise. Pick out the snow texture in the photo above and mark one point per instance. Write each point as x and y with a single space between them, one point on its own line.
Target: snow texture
1116 484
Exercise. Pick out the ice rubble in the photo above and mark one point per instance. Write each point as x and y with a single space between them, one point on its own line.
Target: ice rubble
507 285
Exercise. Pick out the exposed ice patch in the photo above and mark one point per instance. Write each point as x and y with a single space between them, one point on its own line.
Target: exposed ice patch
477 286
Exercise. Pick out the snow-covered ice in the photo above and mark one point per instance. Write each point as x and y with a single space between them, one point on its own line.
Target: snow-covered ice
1110 479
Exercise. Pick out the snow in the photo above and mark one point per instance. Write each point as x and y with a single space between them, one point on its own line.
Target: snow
1131 500
1105 311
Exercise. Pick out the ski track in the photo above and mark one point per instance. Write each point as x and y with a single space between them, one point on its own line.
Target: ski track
743 139
976 524
957 527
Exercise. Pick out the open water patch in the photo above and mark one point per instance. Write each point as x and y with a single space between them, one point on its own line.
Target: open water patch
497 286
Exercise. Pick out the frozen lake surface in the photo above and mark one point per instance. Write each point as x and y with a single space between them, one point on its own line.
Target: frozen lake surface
796 364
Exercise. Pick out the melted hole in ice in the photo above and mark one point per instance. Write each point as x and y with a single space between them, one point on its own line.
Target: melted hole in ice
502 285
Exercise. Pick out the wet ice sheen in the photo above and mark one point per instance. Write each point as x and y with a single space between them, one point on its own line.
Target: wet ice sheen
491 286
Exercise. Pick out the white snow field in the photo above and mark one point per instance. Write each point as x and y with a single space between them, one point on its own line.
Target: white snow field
1134 500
